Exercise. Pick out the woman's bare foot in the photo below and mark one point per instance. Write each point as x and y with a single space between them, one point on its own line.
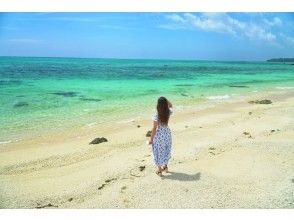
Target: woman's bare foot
159 173
165 169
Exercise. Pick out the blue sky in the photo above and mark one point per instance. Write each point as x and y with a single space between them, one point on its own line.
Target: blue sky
204 36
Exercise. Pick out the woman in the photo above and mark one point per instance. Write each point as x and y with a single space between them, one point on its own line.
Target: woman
161 135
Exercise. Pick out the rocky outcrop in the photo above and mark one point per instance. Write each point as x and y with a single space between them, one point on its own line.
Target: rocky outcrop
98 140
264 101
148 134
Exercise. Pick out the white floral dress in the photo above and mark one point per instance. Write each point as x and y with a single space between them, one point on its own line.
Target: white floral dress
162 143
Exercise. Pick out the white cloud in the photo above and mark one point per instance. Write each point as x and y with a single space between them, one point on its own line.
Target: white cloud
176 18
275 22
210 22
222 23
255 32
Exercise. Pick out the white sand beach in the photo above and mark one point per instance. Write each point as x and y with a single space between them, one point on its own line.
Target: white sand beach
226 154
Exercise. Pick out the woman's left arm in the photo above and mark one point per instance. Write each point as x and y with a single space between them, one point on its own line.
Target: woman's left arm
153 132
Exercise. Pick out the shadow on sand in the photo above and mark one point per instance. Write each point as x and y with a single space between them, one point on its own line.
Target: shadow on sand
182 176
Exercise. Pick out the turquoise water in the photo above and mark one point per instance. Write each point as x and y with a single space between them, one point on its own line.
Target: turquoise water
39 94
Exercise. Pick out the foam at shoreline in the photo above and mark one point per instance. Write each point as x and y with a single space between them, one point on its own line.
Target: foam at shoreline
284 87
220 97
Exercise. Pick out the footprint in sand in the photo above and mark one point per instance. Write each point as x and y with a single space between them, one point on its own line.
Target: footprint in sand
141 168
211 150
106 182
138 172
110 180
273 131
126 203
122 189
247 134
49 205
101 187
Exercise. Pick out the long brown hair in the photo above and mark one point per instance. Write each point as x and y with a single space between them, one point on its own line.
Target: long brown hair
163 110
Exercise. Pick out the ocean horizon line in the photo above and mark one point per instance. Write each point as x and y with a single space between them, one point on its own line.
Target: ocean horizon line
151 59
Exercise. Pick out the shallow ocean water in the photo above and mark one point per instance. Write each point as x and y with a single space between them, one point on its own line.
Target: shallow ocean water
53 93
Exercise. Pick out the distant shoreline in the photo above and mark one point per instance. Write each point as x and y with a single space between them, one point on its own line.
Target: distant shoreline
282 60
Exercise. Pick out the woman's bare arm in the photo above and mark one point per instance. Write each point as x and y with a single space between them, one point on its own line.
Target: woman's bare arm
153 132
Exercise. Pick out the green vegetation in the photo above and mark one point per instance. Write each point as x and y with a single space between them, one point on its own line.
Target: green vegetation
283 60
